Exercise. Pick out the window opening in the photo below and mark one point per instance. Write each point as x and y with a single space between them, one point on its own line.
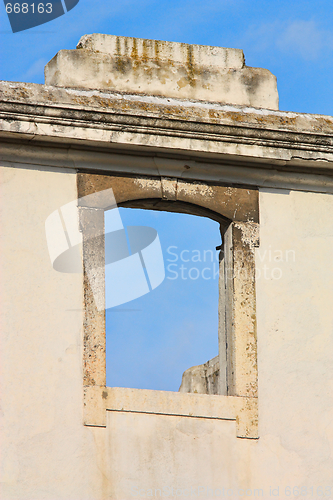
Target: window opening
152 340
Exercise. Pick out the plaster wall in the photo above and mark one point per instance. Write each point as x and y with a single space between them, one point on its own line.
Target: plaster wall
47 452
295 342
295 318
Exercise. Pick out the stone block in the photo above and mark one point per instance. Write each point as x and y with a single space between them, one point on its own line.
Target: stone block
168 69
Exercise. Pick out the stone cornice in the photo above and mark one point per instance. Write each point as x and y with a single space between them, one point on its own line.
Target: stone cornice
209 132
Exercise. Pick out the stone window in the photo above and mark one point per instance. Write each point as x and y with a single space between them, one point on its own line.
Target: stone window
236 209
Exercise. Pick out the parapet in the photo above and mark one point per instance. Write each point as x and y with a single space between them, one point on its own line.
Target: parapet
168 69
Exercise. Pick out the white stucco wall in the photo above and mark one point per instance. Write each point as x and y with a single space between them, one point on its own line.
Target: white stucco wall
295 320
47 453
295 341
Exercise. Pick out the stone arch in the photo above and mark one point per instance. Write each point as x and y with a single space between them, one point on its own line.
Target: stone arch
231 203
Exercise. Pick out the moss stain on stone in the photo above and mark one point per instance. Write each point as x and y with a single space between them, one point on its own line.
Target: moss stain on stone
120 63
157 49
190 66
145 50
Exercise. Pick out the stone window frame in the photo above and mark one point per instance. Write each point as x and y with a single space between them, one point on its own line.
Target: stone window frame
237 210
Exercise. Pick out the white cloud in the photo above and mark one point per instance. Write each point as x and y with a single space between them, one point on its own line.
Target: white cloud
301 38
306 39
35 69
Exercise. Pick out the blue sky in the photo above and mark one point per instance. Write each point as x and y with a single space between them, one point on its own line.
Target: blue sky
294 40
152 340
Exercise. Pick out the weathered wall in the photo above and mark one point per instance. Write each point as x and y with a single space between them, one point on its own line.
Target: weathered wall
46 451
295 319
48 454
148 452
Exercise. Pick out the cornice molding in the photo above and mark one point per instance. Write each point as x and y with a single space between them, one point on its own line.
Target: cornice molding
101 124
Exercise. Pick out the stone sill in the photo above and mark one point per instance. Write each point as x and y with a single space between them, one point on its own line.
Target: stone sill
99 399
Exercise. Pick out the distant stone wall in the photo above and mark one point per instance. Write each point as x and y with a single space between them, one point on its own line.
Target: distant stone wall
202 379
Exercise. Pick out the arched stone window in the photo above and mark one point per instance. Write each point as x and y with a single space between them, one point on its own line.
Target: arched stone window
236 209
